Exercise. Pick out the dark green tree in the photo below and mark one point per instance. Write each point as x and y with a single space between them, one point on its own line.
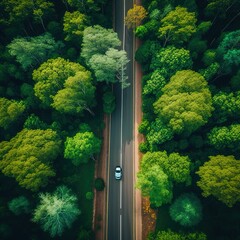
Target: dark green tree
170 60
225 137
19 205
186 210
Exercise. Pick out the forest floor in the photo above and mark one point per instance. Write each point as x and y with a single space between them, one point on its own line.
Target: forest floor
145 216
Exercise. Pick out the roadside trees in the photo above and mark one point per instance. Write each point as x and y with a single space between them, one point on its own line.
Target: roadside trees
220 177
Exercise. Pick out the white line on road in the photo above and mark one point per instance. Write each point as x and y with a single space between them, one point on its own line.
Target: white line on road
120 226
121 195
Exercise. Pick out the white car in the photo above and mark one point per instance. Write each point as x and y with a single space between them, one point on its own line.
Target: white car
118 173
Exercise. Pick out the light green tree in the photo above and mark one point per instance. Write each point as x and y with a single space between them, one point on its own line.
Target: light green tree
56 211
178 26
32 51
73 25
10 111
110 67
186 210
175 166
220 177
77 94
167 235
186 103
27 157
97 40
51 76
82 147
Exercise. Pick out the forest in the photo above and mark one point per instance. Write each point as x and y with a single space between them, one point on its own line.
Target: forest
59 60
190 169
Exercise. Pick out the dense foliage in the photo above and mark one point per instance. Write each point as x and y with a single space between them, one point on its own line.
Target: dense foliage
189 55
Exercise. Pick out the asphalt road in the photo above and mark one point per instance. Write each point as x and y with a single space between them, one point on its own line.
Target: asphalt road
120 217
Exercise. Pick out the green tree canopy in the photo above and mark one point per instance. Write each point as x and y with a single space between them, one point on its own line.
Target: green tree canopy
167 235
169 60
178 26
50 77
220 177
155 184
226 105
56 211
19 205
186 103
186 210
77 95
10 111
135 16
111 66
32 51
19 11
27 157
82 147
97 40
175 166
229 51
73 25
225 137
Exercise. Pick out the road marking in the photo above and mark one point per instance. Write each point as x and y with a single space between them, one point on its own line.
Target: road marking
120 227
120 195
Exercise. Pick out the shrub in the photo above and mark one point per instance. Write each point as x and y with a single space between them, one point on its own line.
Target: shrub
99 184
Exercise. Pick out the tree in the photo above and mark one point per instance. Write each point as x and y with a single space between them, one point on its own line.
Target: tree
158 133
19 205
186 103
135 16
226 105
220 177
32 51
77 95
109 103
10 111
167 235
34 122
81 147
176 167
50 77
186 210
178 26
228 51
111 66
73 26
97 40
56 211
169 60
225 137
155 83
155 184
23 9
27 157
219 7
